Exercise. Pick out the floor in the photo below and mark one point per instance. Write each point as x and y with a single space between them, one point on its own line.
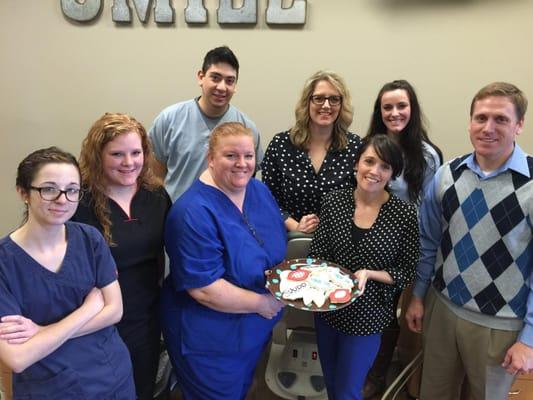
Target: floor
260 390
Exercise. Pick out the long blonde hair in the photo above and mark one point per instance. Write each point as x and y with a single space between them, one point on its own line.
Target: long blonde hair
103 131
299 133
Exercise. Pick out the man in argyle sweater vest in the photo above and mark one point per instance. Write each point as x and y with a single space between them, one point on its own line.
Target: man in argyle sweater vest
473 299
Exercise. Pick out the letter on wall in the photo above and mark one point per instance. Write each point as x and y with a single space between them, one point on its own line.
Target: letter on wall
85 11
121 12
247 14
164 12
195 13
295 14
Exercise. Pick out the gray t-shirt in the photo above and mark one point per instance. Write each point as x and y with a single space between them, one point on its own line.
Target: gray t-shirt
180 135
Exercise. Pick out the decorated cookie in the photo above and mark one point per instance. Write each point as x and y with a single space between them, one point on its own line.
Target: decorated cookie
340 296
314 295
295 292
299 275
312 285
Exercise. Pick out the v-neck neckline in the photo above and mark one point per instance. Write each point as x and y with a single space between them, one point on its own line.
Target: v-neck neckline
221 194
124 214
40 267
323 165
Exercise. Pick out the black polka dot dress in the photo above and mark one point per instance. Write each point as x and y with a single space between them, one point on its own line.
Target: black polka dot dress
391 244
290 175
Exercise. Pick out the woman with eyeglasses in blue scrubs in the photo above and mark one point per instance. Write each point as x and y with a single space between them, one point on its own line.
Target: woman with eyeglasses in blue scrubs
59 295
221 235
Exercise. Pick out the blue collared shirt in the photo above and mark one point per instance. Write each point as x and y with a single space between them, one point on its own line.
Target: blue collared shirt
431 228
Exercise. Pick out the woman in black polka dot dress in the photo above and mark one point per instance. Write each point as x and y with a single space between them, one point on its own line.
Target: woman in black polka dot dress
316 155
375 235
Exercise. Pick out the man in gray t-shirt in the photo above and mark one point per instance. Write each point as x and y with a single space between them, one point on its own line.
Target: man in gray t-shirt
180 133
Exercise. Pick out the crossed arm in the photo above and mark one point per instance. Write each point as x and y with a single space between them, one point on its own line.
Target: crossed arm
22 342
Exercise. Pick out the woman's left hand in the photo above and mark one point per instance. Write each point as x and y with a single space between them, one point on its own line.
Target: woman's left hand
270 306
17 329
308 223
362 277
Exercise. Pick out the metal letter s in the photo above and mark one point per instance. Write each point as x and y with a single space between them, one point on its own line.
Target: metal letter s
81 12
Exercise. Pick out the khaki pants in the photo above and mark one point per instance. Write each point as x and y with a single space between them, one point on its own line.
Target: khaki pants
456 350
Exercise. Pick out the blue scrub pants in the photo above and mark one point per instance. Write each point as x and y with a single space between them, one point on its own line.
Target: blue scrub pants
345 360
215 376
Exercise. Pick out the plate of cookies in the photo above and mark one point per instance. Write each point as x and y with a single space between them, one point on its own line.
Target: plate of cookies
312 285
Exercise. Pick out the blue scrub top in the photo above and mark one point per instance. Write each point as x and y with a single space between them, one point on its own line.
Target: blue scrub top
208 238
91 366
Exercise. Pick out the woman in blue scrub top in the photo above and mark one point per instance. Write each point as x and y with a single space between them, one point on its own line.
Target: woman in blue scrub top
59 295
221 235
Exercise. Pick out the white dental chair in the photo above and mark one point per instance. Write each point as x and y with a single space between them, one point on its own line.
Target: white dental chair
293 370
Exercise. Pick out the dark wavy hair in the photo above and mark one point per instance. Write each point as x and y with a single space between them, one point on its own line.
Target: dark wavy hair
410 139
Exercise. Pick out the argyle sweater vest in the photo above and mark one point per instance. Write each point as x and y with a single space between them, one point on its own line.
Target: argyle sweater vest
485 257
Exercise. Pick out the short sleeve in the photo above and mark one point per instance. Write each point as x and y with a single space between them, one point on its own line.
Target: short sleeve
247 122
259 153
105 266
8 303
157 135
194 248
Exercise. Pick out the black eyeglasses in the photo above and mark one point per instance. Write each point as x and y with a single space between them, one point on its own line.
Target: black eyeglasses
333 100
252 230
50 193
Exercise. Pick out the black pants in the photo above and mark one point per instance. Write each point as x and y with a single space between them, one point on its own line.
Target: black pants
142 339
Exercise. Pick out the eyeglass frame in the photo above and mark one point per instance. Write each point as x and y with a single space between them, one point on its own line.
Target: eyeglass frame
65 192
314 97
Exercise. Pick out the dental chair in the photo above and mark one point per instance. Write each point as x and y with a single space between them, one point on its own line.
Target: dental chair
396 388
406 383
293 369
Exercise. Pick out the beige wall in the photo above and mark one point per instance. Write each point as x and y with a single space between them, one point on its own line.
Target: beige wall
56 77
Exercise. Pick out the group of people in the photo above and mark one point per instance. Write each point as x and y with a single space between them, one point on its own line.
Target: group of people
82 297
69 327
